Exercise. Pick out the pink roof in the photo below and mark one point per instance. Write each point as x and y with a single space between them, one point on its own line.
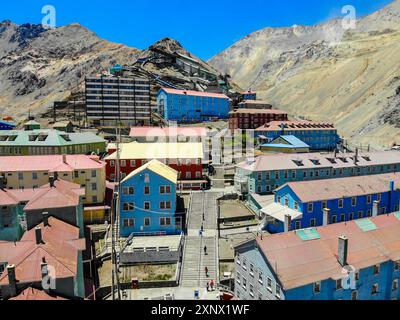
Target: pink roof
195 93
168 131
319 258
63 194
49 163
296 125
328 189
60 248
33 294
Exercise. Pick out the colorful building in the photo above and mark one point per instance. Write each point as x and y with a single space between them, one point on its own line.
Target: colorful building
264 174
148 201
5 125
254 118
22 210
332 201
49 142
31 172
186 158
53 250
318 135
186 106
356 260
286 144
249 95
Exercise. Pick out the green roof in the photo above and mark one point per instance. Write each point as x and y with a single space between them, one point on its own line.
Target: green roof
308 234
46 138
366 225
397 215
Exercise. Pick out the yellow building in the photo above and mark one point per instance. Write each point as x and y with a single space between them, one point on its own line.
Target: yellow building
33 171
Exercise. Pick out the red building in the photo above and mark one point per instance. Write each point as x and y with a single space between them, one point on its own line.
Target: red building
186 158
254 118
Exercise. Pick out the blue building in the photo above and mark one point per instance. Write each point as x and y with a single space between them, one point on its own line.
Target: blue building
149 201
249 95
357 260
192 106
310 204
286 144
4 125
320 136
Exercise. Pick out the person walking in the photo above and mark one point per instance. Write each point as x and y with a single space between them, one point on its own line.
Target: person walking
208 287
206 271
212 285
205 250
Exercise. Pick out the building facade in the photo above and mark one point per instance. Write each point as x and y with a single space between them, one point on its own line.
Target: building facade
254 118
186 106
285 144
331 267
249 95
186 158
148 201
318 135
266 173
31 172
113 100
254 104
49 142
333 201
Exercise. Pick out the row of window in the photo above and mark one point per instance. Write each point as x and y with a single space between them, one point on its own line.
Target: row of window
130 206
130 222
146 190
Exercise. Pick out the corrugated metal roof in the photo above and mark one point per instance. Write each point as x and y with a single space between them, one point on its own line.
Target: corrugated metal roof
195 93
296 126
298 263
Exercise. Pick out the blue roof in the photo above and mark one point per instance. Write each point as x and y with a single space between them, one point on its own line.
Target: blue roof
293 142
7 123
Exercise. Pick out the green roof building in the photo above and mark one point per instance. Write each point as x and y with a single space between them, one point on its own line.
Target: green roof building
48 141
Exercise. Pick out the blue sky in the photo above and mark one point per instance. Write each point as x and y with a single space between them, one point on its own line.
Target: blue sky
204 27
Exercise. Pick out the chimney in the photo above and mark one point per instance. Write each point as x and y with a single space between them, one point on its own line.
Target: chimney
12 280
343 250
51 181
64 158
38 234
375 209
287 223
45 216
326 216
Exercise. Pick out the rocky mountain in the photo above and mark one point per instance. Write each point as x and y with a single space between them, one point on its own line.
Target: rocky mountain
327 73
39 66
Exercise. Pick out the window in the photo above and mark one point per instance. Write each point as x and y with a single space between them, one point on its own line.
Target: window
397 265
238 260
351 216
147 190
251 290
277 175
147 222
369 199
34 176
165 189
354 295
340 203
313 222
244 264
123 163
296 205
260 278
251 270
238 278
360 214
128 206
395 284
133 163
128 190
354 201
324 204
342 217
94 173
278 291
376 269
286 202
379 197
128 223
165 221
298 225
94 186
244 283
112 163
357 275
310 207
76 174
338 284
375 289
20 176
165 205
260 296
147 205
94 199
269 284
317 287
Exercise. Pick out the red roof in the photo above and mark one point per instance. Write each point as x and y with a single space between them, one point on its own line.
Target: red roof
32 294
195 93
49 163
60 248
299 262
168 132
296 125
